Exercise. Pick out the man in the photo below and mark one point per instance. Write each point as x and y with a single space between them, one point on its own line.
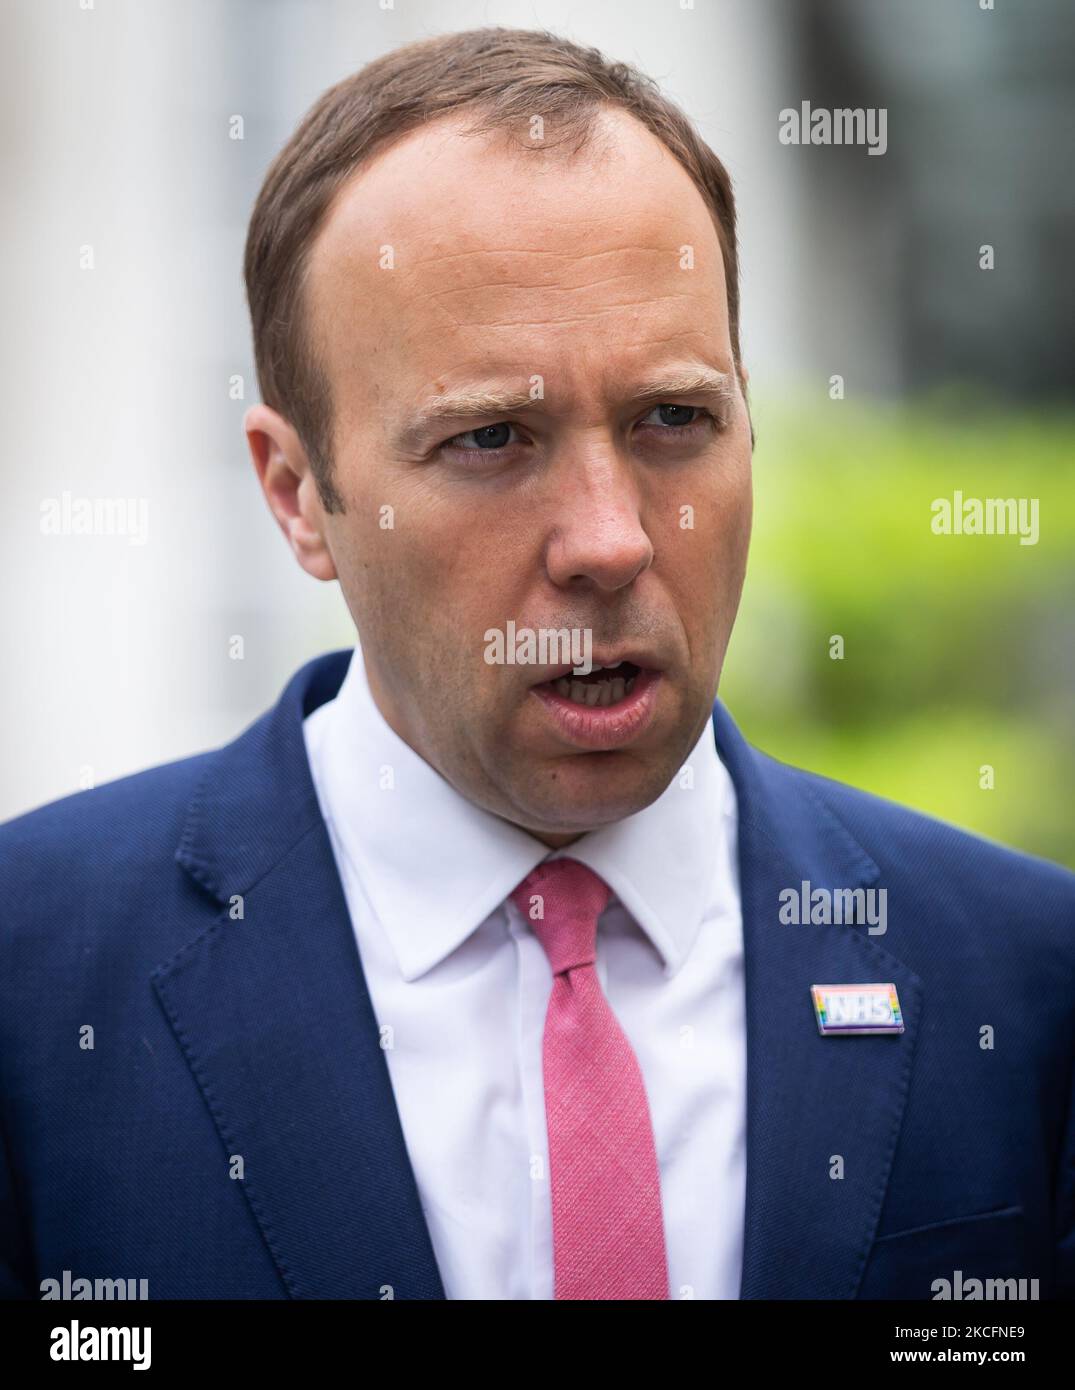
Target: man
475 968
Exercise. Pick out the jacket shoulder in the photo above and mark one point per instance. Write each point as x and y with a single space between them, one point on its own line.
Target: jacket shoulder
949 864
121 825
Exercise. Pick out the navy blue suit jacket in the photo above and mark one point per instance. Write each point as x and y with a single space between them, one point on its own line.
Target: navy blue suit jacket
216 1037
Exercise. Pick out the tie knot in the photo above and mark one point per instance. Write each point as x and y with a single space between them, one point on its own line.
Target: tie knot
562 900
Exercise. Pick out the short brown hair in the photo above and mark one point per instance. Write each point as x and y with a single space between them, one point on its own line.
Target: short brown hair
505 76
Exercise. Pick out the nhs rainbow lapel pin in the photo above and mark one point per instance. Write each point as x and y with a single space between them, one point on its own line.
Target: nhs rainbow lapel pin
857 1009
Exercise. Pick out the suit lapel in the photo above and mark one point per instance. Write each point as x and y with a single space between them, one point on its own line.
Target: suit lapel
272 1012
811 1100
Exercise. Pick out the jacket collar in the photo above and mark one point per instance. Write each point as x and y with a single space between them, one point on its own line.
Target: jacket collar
256 800
278 1028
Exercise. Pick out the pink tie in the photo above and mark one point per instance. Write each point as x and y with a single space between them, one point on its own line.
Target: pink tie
608 1228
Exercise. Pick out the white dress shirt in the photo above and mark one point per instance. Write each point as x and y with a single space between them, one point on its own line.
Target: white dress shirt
460 985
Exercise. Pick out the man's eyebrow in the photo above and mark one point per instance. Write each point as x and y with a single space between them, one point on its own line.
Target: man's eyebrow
442 410
462 405
688 381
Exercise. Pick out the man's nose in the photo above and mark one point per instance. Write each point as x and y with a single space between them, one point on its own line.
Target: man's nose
598 536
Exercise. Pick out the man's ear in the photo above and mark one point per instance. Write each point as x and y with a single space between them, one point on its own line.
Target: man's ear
290 488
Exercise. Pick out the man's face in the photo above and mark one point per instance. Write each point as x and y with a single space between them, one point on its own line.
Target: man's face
573 287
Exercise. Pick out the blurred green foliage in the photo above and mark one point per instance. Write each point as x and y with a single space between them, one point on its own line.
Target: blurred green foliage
959 650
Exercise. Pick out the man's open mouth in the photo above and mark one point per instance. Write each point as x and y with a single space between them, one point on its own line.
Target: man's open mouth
603 686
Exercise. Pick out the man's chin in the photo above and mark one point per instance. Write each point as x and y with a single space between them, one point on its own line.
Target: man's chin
580 793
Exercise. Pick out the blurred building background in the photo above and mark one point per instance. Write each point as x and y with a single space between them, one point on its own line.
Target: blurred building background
127 367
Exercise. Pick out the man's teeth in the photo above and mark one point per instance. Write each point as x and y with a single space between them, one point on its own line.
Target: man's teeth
594 693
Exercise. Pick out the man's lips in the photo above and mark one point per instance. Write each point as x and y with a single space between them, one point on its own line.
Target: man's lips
626 707
644 660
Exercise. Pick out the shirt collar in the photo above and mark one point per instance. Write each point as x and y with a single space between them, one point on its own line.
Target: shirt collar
434 866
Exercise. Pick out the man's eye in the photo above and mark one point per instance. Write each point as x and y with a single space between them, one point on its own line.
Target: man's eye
488 438
672 417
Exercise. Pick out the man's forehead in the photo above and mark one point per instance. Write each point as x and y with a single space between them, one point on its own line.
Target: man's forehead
455 207
432 259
